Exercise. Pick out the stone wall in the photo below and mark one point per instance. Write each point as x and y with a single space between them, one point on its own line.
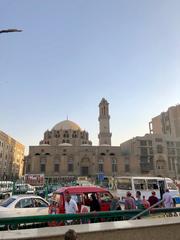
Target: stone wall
149 229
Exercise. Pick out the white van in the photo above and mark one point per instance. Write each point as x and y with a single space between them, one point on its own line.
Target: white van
145 185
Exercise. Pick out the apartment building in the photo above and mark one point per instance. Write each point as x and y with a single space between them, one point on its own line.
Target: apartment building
11 157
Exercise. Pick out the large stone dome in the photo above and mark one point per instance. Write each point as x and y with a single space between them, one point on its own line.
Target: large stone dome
66 125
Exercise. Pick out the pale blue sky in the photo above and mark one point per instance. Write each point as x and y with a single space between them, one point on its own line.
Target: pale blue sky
74 52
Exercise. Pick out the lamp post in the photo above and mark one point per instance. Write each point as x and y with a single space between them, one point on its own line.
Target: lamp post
10 30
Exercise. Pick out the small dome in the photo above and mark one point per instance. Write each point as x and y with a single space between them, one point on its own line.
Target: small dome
66 125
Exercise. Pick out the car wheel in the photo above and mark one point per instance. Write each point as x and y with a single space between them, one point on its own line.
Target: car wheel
13 227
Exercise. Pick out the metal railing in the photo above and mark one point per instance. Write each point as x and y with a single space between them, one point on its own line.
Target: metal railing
147 210
93 217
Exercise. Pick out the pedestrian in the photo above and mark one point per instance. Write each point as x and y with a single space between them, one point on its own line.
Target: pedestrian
94 204
145 203
129 202
153 199
94 207
70 235
115 204
139 203
167 199
70 207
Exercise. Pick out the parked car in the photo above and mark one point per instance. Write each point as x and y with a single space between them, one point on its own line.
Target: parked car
23 205
81 194
24 188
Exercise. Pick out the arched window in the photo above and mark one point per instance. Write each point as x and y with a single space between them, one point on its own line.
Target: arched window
42 165
56 165
114 165
101 166
70 165
37 154
103 154
111 154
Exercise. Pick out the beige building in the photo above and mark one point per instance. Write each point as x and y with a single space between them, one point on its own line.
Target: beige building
11 157
167 123
153 155
66 150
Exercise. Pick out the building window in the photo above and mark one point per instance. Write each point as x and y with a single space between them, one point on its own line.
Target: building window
70 166
171 151
143 159
127 168
144 151
178 165
143 143
74 135
150 151
28 168
158 140
42 168
43 165
173 164
101 166
151 162
103 154
114 165
159 149
111 154
56 167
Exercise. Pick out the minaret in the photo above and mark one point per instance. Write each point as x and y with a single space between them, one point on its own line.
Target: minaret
104 128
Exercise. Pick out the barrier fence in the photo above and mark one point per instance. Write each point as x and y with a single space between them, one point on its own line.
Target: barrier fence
63 219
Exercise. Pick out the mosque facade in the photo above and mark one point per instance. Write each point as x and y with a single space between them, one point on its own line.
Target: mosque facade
66 150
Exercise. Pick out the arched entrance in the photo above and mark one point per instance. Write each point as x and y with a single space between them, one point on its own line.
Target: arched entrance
84 166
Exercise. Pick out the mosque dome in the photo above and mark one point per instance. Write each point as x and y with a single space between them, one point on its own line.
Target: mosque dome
66 125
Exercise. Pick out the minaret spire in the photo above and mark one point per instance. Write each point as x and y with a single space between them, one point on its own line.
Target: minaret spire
104 126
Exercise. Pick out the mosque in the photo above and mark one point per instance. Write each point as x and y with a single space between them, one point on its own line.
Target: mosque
66 150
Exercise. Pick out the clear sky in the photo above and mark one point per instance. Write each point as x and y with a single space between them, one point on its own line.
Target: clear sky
72 53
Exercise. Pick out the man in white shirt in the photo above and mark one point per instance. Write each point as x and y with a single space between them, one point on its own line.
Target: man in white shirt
167 199
70 205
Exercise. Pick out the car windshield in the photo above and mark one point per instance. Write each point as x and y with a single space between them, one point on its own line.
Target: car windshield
7 202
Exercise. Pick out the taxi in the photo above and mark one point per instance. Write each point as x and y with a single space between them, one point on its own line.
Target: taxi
82 195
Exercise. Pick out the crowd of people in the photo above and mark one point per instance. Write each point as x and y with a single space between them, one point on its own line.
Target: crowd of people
140 202
131 202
